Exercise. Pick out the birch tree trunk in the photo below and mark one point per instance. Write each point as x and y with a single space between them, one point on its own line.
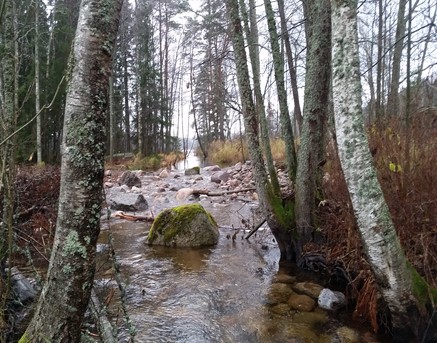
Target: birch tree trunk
401 287
64 297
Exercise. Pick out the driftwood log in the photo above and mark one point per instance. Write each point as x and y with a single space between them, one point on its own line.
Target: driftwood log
134 218
212 194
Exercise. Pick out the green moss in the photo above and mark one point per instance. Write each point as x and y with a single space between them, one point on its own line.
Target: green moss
174 220
283 210
423 292
25 338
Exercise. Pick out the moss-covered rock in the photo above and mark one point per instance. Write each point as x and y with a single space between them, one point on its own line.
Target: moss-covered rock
301 302
184 226
192 171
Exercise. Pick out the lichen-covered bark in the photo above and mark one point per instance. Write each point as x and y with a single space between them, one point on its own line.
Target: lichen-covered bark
291 67
284 115
8 121
275 214
393 95
64 297
381 244
317 83
253 47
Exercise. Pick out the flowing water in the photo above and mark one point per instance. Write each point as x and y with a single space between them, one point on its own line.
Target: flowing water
191 161
216 294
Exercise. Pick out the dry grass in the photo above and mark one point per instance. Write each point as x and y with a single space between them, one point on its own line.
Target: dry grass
231 152
278 149
227 153
407 170
154 162
408 182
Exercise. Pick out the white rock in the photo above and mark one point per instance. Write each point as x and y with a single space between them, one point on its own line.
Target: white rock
184 193
212 168
331 300
164 173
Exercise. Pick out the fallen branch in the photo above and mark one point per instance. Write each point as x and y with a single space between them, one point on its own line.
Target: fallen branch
211 194
134 218
255 229
30 211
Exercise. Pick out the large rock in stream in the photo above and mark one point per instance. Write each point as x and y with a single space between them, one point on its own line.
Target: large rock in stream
127 202
130 179
187 226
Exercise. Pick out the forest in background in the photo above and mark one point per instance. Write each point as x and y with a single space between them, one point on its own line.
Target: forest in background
174 78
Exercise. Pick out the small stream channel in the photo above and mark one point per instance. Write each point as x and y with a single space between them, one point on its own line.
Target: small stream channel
217 294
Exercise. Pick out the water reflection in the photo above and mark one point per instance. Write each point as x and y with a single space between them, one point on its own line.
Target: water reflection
189 259
204 295
191 161
218 294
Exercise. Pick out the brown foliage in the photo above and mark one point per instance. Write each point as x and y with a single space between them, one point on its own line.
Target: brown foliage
406 163
408 181
36 199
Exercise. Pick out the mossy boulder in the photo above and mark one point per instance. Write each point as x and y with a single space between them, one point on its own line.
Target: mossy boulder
192 171
184 226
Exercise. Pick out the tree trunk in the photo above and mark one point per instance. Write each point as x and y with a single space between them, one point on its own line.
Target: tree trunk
284 115
401 287
378 104
65 294
193 107
279 216
312 145
291 68
253 43
126 98
37 86
393 95
111 119
8 96
45 114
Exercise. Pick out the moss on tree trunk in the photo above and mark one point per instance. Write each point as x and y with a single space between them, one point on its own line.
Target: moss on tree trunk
65 294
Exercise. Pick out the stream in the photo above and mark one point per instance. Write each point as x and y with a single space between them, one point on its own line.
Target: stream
217 294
